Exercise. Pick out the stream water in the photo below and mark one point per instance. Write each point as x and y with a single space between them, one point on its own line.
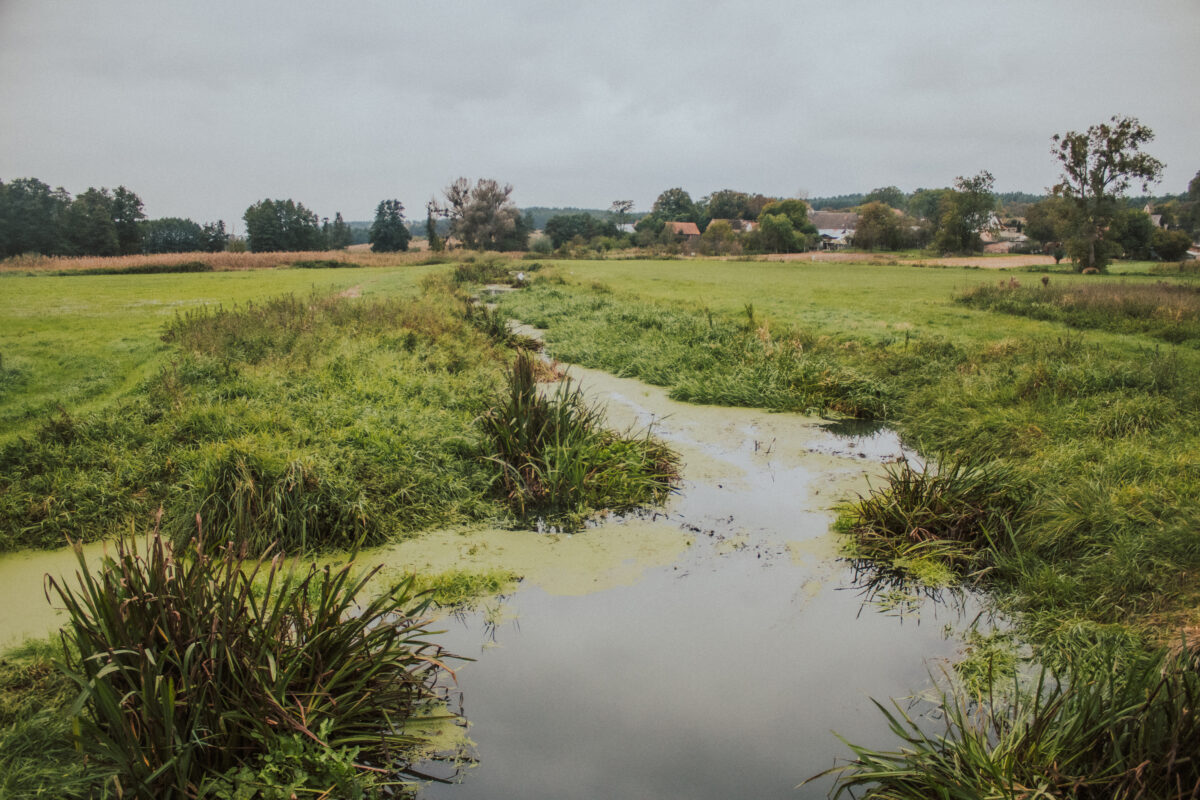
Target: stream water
709 650
718 665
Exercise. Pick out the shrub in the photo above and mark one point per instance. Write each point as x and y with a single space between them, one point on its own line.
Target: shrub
190 666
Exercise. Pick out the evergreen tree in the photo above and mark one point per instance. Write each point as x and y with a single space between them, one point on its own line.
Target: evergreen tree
388 233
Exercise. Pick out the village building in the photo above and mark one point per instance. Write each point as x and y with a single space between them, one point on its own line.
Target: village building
836 228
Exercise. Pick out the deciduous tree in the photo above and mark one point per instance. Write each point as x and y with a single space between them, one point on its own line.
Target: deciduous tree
483 217
1098 165
675 205
965 212
878 228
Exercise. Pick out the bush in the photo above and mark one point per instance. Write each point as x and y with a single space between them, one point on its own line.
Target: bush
190 666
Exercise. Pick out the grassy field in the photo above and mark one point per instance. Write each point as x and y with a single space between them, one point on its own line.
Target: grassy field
81 342
369 403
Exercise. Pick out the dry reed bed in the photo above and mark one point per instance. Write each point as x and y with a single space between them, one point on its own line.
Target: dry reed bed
219 262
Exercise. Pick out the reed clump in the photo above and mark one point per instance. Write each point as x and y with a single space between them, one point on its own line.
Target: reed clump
1125 733
191 666
556 458
955 509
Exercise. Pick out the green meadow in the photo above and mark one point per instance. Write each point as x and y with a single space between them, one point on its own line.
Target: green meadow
316 410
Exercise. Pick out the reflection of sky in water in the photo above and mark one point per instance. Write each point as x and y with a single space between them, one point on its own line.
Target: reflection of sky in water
716 683
723 675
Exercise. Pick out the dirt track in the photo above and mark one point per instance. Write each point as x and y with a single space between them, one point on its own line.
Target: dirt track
983 262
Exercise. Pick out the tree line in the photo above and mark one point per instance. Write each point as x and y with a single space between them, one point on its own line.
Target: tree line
1086 217
98 222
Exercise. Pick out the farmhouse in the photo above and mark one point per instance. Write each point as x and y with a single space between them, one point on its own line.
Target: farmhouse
687 231
835 228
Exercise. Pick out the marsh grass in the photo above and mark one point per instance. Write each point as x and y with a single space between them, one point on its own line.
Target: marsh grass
1167 311
1128 733
318 421
702 358
556 458
953 510
190 665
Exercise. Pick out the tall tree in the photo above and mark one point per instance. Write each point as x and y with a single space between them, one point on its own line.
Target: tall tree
483 217
1098 165
127 216
965 212
432 211
620 210
274 225
338 236
878 227
675 205
728 204
888 195
89 224
388 233
34 217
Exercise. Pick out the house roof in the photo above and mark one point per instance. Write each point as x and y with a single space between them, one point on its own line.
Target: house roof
834 220
684 228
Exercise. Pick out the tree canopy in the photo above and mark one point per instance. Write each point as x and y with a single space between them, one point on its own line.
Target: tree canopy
483 217
1098 165
389 233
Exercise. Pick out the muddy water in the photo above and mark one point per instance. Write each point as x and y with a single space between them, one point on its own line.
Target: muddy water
715 669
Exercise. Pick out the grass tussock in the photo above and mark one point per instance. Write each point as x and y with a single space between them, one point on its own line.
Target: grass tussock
556 458
1128 733
191 668
954 512
1166 311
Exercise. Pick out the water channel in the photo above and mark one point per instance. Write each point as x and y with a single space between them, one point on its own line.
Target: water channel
707 650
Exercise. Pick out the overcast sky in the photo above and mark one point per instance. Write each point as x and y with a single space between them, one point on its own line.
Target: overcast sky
203 108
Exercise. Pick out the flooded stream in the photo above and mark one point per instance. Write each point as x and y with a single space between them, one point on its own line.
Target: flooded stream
708 650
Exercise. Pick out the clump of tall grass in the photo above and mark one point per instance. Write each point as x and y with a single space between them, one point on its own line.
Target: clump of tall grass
1125 733
957 511
248 495
1168 311
191 665
555 456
